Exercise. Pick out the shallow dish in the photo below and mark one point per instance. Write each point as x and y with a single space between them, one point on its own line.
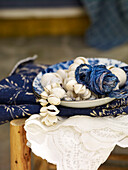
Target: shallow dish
38 89
87 103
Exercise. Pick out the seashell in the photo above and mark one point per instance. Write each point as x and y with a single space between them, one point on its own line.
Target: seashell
78 98
62 73
59 92
52 110
71 94
54 100
71 74
70 84
54 85
48 88
58 76
79 89
68 98
73 67
81 60
50 78
44 95
120 73
49 120
86 95
43 111
43 102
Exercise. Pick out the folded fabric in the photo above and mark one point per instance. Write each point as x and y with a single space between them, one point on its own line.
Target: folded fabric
109 23
17 99
97 78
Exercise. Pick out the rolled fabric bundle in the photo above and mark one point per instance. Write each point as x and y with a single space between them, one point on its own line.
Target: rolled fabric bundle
97 78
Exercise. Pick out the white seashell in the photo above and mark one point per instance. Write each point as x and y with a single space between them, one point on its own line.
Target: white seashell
120 73
70 84
79 89
81 60
54 100
52 119
78 98
71 74
43 102
68 98
44 95
49 120
58 91
71 94
48 88
58 76
50 78
73 67
43 111
54 85
62 73
86 95
52 110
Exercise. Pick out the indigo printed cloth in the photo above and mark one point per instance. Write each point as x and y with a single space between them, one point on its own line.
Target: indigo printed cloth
109 20
97 78
17 99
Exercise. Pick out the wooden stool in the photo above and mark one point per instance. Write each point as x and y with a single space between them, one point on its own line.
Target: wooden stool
21 153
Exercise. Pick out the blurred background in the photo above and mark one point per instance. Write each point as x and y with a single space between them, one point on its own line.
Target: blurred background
57 31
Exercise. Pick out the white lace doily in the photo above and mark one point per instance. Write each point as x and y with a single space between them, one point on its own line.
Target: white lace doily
79 142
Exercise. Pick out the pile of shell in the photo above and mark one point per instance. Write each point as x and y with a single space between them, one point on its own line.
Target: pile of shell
62 85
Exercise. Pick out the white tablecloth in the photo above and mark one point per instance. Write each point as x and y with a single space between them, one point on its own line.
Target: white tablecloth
79 142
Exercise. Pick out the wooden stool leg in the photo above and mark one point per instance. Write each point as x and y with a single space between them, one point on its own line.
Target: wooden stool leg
20 153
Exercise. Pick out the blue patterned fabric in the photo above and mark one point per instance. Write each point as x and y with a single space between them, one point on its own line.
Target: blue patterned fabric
17 99
109 23
97 78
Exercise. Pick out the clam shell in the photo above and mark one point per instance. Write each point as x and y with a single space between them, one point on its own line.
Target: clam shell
58 91
43 102
81 60
78 98
79 89
54 100
48 89
71 74
70 84
71 94
49 120
52 110
73 67
68 98
50 78
86 95
120 73
62 73
54 85
44 95
43 111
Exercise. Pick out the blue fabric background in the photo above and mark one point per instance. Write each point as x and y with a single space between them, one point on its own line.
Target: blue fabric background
17 99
